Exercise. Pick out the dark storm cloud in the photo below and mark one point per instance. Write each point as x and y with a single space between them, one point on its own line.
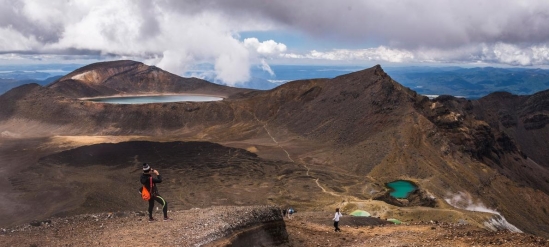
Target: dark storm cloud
68 51
26 20
395 23
175 34
12 16
407 24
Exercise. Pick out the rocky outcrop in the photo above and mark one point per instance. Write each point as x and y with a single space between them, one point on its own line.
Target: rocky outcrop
246 226
416 198
488 130
523 118
536 121
215 226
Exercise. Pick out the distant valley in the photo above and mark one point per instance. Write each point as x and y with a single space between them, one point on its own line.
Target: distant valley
471 83
16 75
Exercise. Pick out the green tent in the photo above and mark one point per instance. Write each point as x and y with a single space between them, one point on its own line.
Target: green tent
397 222
360 213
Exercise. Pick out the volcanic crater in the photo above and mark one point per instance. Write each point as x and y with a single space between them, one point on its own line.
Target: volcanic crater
311 144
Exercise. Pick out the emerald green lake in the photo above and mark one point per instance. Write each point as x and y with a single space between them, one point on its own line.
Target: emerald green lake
401 188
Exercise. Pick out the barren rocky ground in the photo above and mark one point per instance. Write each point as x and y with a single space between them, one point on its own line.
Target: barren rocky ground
204 227
315 229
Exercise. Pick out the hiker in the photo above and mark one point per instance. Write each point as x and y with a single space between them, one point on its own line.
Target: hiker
290 212
155 196
336 220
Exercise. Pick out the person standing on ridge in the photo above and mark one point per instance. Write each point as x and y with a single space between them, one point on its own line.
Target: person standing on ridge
290 212
146 178
336 220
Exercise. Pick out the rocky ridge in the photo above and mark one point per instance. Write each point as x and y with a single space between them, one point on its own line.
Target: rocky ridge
127 77
194 227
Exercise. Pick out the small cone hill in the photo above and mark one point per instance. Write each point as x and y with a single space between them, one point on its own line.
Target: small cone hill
314 144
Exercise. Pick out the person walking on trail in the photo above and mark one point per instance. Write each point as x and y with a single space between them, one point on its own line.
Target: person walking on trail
336 220
148 180
290 212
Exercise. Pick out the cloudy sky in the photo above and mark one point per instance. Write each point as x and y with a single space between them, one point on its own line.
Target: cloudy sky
234 35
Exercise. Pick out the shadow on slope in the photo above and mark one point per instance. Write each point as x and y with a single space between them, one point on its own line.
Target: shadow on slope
105 178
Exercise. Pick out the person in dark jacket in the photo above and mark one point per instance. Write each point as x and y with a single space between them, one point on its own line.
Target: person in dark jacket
155 196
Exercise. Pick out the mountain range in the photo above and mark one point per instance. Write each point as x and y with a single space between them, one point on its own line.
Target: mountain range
470 83
315 144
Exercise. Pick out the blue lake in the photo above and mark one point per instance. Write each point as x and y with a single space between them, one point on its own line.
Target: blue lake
155 99
401 188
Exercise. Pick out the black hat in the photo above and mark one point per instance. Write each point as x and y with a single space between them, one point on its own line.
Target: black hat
146 167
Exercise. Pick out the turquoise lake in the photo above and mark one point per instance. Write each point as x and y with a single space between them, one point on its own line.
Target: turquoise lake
401 188
155 99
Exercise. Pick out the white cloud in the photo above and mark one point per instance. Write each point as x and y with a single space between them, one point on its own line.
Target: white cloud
499 53
12 40
46 14
175 34
372 54
10 57
149 31
232 68
511 54
406 23
111 28
266 67
173 61
265 47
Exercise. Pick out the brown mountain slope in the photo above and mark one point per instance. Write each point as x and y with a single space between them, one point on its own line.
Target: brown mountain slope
462 122
524 118
130 77
345 110
335 142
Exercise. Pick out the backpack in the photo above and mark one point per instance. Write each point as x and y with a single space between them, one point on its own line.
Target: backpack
145 194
